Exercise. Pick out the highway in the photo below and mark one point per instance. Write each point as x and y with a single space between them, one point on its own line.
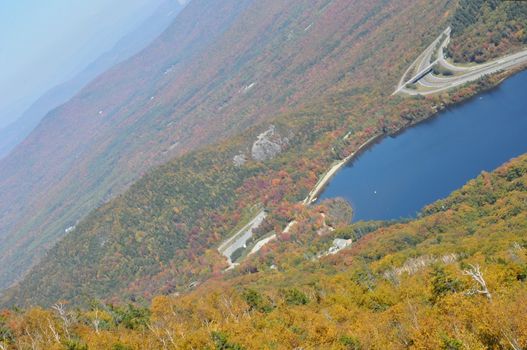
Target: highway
420 74
425 82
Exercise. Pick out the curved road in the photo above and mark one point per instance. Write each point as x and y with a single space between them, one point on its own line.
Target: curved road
426 82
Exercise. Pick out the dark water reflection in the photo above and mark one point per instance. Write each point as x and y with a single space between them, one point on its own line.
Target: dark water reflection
398 176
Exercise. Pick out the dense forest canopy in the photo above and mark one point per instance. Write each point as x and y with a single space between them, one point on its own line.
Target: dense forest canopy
455 278
485 29
161 235
143 271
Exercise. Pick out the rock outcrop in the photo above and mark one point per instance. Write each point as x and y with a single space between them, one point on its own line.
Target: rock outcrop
268 145
239 160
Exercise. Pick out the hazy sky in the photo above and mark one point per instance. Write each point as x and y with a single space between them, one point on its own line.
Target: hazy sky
43 43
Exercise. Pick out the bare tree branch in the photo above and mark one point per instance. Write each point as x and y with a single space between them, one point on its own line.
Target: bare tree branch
54 331
475 272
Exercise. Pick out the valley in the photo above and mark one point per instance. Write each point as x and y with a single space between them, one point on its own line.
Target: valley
79 159
93 148
413 279
445 155
252 181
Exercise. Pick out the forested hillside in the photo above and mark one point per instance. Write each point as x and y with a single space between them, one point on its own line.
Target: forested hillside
486 29
222 67
161 235
455 278
311 82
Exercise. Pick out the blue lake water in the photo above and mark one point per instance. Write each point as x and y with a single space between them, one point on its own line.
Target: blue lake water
398 176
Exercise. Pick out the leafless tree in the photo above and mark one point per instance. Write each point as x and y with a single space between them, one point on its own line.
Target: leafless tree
475 272
96 321
412 310
163 334
516 252
33 341
53 331
229 305
512 341
60 308
392 277
156 332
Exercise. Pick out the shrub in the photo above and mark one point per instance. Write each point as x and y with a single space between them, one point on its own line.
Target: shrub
295 297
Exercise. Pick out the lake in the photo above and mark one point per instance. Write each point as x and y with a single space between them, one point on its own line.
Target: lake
398 176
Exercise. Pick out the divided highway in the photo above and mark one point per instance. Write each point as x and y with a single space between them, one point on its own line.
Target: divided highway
418 79
424 81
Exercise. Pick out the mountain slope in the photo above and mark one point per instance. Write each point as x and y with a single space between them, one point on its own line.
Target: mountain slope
486 29
314 82
402 286
406 285
42 174
220 68
126 47
455 278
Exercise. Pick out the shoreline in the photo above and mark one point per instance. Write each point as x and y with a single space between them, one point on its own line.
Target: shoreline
333 170
328 175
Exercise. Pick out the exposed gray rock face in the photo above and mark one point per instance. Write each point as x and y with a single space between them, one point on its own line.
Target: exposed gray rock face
239 160
338 245
268 145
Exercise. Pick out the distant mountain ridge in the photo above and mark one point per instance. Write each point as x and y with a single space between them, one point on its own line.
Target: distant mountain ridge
222 71
321 72
77 147
13 134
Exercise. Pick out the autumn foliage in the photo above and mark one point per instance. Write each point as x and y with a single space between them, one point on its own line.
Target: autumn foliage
455 278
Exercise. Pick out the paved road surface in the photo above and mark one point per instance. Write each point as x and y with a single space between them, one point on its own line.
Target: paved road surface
427 83
240 238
